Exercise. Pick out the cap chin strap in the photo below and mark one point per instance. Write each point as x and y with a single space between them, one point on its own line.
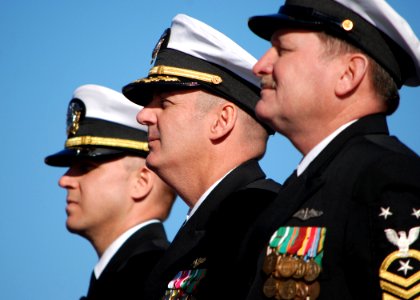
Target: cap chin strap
191 74
107 142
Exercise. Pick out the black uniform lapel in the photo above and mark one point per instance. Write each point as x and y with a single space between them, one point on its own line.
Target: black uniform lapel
92 286
194 230
296 190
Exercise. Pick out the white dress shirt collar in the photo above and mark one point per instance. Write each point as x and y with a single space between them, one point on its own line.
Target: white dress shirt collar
318 148
204 196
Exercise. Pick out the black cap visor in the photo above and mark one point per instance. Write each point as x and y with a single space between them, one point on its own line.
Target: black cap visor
265 26
141 92
67 157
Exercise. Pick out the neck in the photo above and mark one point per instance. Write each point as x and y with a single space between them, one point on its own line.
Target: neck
101 241
203 178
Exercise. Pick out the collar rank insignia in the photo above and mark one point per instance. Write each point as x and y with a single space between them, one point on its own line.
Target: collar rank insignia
305 214
163 41
75 112
399 273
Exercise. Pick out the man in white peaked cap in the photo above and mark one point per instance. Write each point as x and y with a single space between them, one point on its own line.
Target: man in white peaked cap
205 142
346 223
113 199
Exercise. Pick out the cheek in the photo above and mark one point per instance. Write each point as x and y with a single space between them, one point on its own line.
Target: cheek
173 128
104 184
107 199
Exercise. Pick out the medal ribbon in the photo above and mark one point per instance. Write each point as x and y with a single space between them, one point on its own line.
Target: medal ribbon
306 243
320 250
297 243
293 239
321 239
198 275
317 245
186 281
311 244
276 239
171 284
314 247
284 244
181 279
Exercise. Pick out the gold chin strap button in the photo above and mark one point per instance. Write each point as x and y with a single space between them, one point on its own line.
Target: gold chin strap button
347 25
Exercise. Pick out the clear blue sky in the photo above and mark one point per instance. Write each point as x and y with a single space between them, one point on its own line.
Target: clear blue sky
47 49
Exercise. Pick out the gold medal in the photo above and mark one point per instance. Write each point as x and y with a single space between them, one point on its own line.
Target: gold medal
312 270
276 272
300 269
287 289
173 294
270 287
291 275
270 261
301 291
287 266
313 290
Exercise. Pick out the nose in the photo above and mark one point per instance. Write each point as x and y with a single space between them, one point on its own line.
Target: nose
264 65
66 181
146 116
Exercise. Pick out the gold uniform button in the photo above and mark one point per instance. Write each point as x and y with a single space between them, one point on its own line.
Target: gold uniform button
347 25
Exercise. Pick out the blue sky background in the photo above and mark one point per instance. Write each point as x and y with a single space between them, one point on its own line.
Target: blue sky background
49 48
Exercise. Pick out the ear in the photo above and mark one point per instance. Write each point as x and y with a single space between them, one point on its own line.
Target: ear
355 69
142 183
226 116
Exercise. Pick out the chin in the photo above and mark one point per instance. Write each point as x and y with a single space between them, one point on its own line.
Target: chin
151 162
71 229
72 226
263 112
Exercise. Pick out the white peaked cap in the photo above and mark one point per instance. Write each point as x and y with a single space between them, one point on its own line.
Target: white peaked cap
109 105
198 39
192 55
101 124
381 15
